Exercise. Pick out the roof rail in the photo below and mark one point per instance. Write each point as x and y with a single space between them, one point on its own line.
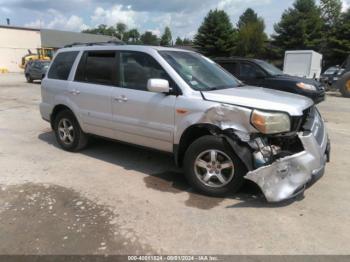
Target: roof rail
110 42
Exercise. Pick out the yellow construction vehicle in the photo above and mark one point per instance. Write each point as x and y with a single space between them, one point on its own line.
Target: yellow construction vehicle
42 54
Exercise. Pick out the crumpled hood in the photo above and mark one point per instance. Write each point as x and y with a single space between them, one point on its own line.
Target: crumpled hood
261 98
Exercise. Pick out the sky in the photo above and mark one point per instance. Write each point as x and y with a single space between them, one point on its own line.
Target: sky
182 16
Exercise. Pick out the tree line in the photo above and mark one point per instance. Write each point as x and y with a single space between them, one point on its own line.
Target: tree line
133 36
306 25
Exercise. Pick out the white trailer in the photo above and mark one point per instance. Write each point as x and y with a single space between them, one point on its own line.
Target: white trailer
303 63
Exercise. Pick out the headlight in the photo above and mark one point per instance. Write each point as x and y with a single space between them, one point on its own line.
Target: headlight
270 123
306 86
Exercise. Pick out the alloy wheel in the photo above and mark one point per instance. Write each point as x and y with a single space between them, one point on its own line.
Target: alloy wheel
66 131
214 168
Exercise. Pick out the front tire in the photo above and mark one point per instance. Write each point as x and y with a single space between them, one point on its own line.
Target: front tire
68 132
212 168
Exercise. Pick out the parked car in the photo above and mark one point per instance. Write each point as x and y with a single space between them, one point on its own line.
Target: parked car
343 84
332 75
260 73
36 69
183 103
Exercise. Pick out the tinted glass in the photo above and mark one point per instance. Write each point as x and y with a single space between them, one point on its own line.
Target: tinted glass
100 67
231 67
97 67
250 71
62 65
136 68
199 72
270 68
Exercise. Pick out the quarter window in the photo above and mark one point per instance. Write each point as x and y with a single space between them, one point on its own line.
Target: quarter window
97 67
136 68
62 65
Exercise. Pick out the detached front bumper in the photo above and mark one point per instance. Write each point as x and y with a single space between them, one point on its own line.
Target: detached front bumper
288 176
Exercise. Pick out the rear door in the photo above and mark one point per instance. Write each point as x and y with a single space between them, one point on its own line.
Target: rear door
140 116
91 90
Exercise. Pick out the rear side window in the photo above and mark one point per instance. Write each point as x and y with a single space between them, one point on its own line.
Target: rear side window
62 65
98 67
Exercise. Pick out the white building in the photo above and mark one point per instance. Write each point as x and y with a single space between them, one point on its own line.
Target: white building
16 42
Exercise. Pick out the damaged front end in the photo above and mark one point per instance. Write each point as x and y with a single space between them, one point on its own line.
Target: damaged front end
286 165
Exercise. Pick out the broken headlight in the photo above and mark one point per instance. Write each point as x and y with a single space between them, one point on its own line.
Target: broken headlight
270 123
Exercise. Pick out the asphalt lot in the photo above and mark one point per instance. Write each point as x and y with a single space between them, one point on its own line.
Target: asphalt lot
119 199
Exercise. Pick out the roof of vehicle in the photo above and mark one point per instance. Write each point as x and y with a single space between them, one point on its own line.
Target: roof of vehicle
121 47
235 58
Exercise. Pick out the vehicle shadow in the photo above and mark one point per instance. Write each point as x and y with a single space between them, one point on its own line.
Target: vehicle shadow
161 174
334 93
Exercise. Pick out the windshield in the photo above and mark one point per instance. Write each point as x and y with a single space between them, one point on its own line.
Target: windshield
271 69
331 71
199 72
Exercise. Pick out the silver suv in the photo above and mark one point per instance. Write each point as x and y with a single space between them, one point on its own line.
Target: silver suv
220 131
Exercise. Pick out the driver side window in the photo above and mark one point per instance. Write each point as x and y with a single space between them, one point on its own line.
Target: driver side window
250 71
136 68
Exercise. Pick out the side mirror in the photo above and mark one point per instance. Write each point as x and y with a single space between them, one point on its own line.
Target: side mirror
158 85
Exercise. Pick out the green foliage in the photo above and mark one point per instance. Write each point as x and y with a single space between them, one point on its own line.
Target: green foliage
215 36
120 29
166 39
300 27
339 40
249 16
133 36
148 38
184 41
187 41
330 11
101 30
178 41
251 39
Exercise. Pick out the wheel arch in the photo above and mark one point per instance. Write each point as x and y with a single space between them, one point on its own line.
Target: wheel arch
191 134
57 109
196 131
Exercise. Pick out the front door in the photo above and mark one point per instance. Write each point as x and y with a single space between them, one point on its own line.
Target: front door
140 116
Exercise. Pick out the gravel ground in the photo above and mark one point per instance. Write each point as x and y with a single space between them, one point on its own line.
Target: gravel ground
119 199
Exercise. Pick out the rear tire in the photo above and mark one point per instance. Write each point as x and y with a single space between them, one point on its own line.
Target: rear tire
29 79
68 132
344 84
212 168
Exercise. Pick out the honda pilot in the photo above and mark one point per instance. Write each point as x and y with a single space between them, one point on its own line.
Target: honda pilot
219 130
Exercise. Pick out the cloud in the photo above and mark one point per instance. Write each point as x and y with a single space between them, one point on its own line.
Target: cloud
346 5
59 21
182 16
116 14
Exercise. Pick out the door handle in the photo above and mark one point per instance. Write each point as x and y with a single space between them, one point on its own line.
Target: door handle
121 98
74 92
